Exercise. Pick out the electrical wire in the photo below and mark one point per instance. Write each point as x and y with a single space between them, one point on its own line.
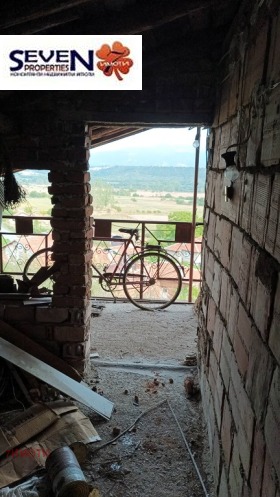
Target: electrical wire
189 450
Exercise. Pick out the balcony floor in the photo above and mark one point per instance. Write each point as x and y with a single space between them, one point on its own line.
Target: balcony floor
143 354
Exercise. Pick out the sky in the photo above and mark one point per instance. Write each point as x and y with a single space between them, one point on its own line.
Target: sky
158 146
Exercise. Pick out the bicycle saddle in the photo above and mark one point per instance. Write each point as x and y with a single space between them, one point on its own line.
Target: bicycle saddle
129 231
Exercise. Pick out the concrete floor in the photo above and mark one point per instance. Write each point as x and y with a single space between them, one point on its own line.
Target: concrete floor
142 356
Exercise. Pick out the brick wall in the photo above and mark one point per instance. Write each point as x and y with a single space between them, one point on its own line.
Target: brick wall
239 322
63 326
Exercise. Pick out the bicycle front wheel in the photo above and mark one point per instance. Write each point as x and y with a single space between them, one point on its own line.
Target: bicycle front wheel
40 259
152 280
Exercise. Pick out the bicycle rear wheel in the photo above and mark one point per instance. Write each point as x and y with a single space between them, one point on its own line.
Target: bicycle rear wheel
152 280
40 259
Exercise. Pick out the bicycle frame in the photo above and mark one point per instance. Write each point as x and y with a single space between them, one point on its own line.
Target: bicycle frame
116 274
108 277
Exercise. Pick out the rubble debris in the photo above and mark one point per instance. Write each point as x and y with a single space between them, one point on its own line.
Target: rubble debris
56 379
25 426
116 431
131 427
37 486
191 387
80 450
96 309
65 474
70 426
190 360
171 380
94 493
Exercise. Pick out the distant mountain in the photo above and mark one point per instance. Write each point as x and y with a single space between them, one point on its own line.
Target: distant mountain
164 157
169 179
141 177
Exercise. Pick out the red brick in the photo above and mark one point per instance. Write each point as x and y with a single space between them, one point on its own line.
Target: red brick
73 177
273 215
227 430
274 336
269 478
36 331
77 259
213 371
19 313
233 312
260 209
69 189
257 463
235 475
272 422
216 457
223 487
51 315
75 350
241 354
244 327
244 268
217 338
211 316
71 333
225 295
72 247
66 225
88 234
79 291
70 214
261 309
210 234
243 416
253 280
246 202
218 238
218 194
61 289
226 359
236 248
225 233
74 278
259 374
209 269
62 301
74 201
210 185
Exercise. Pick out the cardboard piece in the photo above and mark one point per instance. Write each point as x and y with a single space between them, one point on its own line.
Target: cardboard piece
71 426
25 426
56 379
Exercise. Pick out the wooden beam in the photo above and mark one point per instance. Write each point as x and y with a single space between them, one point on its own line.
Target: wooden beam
96 142
23 13
129 20
38 25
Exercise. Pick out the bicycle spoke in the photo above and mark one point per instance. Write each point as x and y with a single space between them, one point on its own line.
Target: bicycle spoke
152 281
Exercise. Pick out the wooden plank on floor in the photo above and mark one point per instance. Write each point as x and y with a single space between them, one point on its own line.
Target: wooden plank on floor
55 378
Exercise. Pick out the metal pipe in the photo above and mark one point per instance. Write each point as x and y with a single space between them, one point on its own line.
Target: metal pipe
194 211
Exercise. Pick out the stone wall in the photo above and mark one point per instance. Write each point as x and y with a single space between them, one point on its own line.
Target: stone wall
239 322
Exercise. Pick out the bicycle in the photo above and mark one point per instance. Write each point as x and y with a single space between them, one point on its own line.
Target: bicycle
151 278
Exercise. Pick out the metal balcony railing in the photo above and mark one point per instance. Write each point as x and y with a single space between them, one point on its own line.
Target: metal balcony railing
20 237
175 237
